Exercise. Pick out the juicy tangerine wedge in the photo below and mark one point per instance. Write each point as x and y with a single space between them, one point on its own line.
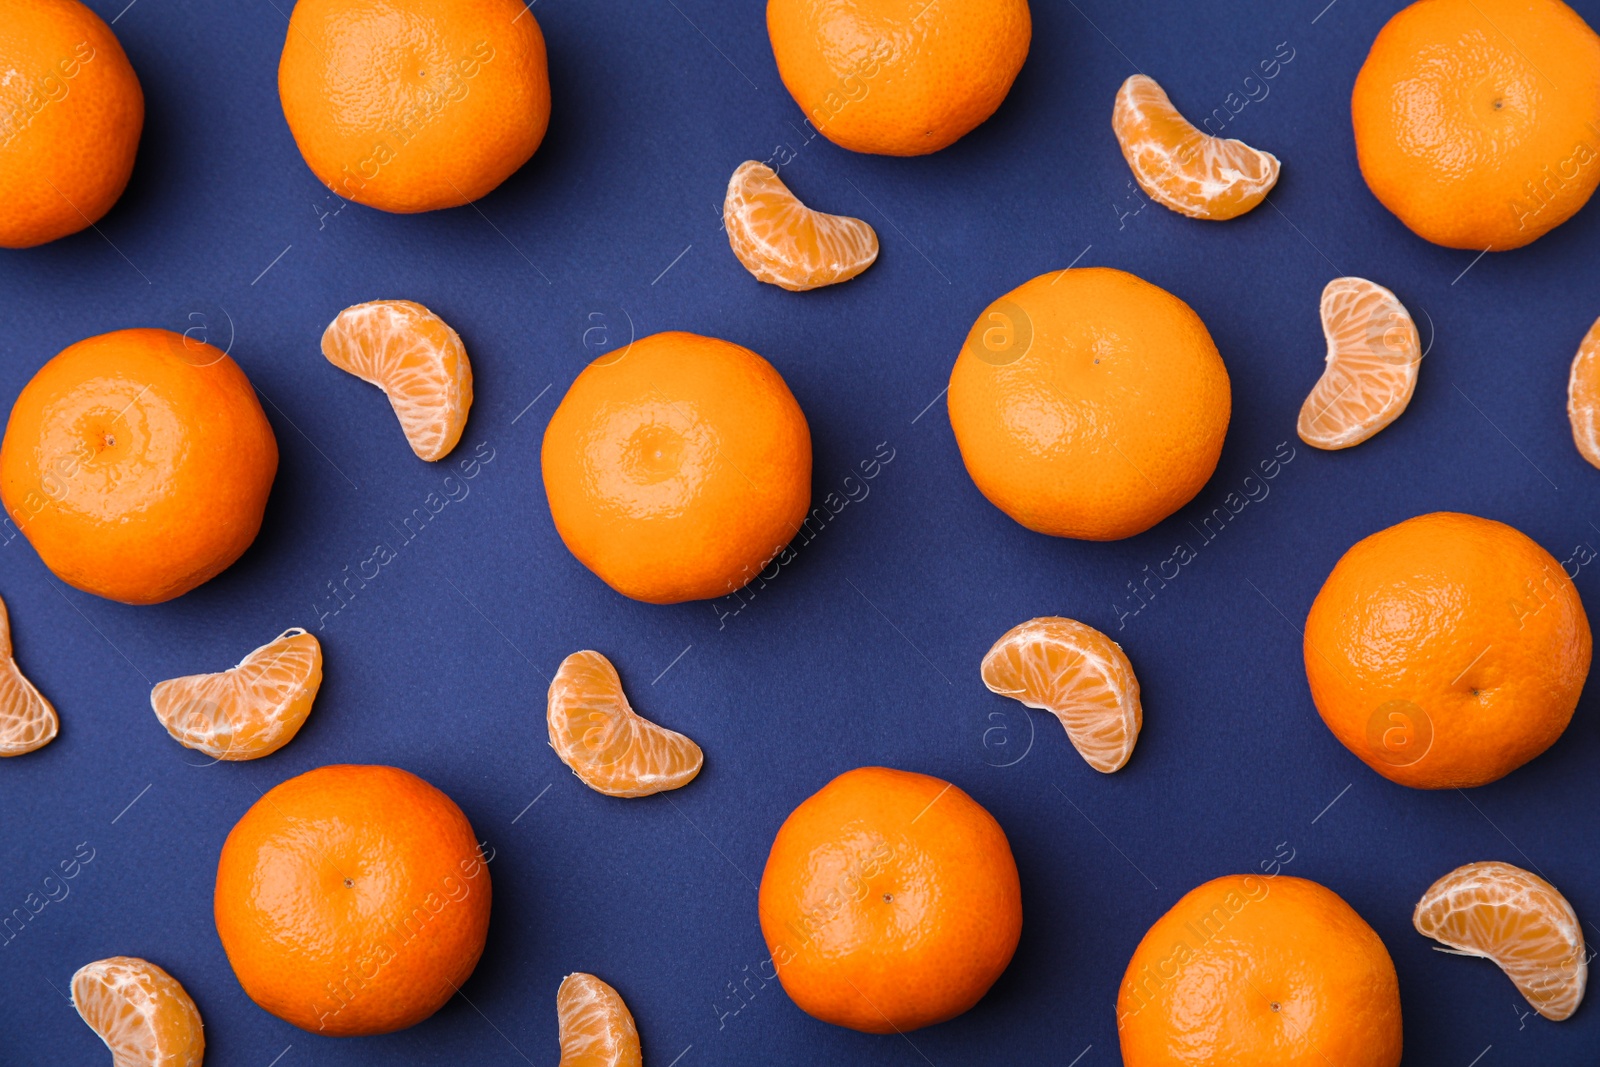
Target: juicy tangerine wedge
140 1011
27 719
416 359
597 1029
248 711
1080 676
1178 166
1518 920
609 746
1373 357
1583 396
783 242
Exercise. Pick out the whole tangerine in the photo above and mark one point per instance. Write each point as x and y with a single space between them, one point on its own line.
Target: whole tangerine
71 112
897 78
1447 651
677 467
1250 971
890 901
1477 122
138 464
1089 403
414 105
352 900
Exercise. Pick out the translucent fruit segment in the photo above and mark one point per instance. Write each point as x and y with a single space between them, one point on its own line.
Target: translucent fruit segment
248 711
1178 166
140 1011
1080 676
608 745
597 1030
1518 920
1371 371
783 242
1583 396
416 359
27 720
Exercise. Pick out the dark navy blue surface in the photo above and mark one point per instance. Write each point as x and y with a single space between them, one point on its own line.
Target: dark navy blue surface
866 648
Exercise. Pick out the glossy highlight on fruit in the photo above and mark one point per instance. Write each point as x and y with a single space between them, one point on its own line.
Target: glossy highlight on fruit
610 747
1371 366
27 720
138 463
248 711
890 901
1181 168
142 1013
785 243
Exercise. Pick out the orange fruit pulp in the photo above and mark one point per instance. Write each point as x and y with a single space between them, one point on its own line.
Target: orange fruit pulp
894 78
781 241
676 467
27 720
352 900
1089 403
1246 971
142 1013
71 111
1447 651
248 711
610 747
1477 122
890 901
414 105
1370 369
597 1029
138 464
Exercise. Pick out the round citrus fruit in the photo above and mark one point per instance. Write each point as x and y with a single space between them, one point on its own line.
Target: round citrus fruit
352 900
138 464
1089 403
1477 122
890 901
1247 971
70 115
1447 651
897 78
413 105
677 467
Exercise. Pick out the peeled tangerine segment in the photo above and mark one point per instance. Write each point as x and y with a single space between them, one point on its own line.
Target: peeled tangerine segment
597 1029
248 711
1583 396
140 1011
416 359
1191 172
27 720
609 746
783 242
1080 676
1372 362
1518 920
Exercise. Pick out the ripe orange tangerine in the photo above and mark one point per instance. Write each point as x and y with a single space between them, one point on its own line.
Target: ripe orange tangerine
138 463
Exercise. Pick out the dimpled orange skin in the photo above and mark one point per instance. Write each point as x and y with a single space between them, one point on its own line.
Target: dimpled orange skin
676 468
1246 971
71 111
138 464
414 105
1477 628
1110 421
898 78
1436 149
890 901
352 900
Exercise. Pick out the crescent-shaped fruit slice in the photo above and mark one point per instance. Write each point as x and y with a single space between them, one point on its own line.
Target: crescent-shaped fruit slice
140 1011
782 241
1583 396
609 746
1191 172
1080 676
27 720
1371 371
416 359
596 1027
1518 920
248 711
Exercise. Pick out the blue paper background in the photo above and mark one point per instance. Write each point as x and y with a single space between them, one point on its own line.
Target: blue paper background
866 649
